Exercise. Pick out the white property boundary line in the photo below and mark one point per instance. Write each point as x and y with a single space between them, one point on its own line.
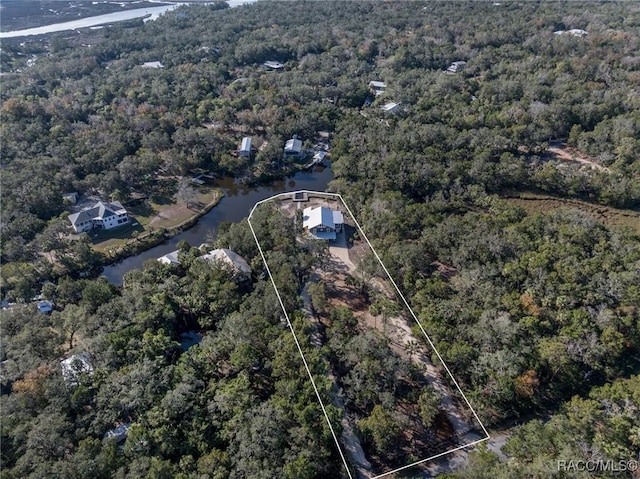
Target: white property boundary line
336 195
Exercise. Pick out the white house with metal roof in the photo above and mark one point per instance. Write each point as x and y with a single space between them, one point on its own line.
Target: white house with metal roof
101 215
322 223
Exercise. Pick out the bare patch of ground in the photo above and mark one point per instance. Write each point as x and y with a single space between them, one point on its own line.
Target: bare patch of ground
561 151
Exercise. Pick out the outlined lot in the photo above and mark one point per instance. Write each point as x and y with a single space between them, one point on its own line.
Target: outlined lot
353 278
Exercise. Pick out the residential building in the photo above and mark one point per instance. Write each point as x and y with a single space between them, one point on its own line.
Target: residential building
272 65
101 215
456 67
390 107
45 307
322 223
119 433
228 259
293 148
575 32
74 367
170 258
152 65
377 87
245 147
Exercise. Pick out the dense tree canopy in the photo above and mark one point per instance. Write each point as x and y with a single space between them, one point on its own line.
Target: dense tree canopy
536 314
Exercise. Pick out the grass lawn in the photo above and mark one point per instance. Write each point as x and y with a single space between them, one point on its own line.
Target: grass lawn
154 216
610 217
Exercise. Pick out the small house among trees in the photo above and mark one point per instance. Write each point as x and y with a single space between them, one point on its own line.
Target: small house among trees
456 67
377 87
74 367
230 260
293 148
245 147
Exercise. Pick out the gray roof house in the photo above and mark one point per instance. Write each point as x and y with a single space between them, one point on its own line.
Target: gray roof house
322 223
228 259
170 258
101 215
293 148
245 147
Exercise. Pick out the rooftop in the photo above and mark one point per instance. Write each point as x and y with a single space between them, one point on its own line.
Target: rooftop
228 257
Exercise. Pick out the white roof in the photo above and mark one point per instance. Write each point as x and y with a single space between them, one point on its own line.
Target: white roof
228 257
320 155
75 365
293 145
152 65
246 144
377 84
170 258
321 216
389 107
576 32
273 64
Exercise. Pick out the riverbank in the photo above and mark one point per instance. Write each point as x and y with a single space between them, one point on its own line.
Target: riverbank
236 204
150 230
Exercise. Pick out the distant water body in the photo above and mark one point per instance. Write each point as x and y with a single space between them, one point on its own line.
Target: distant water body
152 12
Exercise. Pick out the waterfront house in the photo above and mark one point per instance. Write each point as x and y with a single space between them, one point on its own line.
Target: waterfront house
230 260
101 215
170 258
322 223
293 148
245 147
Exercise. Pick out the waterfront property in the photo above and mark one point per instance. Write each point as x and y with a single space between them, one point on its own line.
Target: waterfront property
170 258
228 259
293 148
245 147
101 215
322 222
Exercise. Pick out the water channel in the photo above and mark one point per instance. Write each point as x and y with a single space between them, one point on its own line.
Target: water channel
151 12
235 205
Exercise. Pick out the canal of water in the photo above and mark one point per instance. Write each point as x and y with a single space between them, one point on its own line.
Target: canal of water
235 205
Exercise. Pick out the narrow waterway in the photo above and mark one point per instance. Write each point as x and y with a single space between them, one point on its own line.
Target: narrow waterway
108 18
235 205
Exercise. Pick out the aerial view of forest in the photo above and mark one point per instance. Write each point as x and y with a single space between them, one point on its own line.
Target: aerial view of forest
489 151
